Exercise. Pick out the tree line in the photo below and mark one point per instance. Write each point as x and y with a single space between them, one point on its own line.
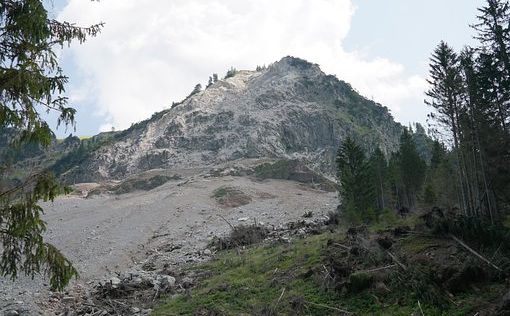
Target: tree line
372 184
469 168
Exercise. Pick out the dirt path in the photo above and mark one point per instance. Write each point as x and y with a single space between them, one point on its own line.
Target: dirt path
107 233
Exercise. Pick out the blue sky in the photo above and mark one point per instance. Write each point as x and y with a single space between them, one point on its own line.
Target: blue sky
151 53
407 31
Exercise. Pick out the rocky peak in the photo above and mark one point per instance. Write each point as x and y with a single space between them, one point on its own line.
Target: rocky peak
291 110
292 65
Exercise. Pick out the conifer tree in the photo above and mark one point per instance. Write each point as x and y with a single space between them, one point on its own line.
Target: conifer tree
31 81
446 97
437 155
196 89
412 168
379 178
356 192
493 68
494 34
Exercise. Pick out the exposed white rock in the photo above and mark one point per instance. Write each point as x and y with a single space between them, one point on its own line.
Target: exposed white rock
290 110
115 282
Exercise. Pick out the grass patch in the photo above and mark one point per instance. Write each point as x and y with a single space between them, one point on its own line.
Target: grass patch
246 281
418 244
285 279
296 171
230 197
278 170
143 184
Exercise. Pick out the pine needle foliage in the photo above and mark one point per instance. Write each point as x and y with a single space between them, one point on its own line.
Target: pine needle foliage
31 81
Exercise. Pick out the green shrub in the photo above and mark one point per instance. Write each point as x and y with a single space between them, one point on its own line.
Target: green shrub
388 217
360 281
243 235
148 184
277 170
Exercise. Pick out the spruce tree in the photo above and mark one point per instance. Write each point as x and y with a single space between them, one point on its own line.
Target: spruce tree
356 191
494 34
437 155
412 168
31 81
196 89
379 178
446 97
493 67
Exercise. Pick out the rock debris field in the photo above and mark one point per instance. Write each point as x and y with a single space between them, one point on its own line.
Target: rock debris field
106 235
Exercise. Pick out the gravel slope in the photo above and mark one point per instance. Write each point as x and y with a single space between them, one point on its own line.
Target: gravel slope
110 233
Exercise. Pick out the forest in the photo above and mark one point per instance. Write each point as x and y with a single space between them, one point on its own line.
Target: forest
463 168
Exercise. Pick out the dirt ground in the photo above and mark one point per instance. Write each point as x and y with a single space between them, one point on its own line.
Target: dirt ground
111 233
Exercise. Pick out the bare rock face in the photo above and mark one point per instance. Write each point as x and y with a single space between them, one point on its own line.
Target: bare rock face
290 110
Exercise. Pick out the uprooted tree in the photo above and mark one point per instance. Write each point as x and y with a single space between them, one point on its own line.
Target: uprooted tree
31 81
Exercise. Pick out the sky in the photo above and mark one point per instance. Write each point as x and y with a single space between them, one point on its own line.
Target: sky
151 53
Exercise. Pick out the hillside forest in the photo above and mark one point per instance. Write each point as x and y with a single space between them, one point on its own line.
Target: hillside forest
465 169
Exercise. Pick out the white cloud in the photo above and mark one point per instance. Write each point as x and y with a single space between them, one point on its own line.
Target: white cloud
151 53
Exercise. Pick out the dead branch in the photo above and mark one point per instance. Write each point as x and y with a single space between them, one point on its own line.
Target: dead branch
377 269
342 246
421 310
397 261
460 242
280 298
229 224
329 307
496 252
160 235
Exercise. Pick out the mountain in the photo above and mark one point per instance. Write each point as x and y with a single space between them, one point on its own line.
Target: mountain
289 110
25 158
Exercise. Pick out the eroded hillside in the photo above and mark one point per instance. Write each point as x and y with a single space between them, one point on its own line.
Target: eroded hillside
289 110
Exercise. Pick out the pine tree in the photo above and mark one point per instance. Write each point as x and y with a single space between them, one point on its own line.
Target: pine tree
471 97
395 181
437 155
474 127
446 96
493 68
494 34
412 169
379 178
32 81
356 192
231 72
196 89
439 179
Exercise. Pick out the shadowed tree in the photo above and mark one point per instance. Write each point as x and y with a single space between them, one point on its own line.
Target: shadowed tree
356 191
446 97
379 178
412 168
